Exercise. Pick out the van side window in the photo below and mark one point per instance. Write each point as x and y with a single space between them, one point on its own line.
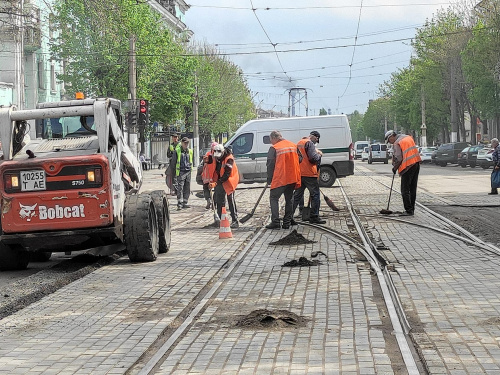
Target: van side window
243 144
384 147
266 140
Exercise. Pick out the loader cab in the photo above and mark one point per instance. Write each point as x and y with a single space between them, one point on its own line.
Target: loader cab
65 127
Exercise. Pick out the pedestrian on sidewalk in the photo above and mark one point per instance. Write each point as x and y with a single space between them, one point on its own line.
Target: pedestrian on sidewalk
283 174
183 161
496 165
143 161
226 180
207 175
405 160
309 176
170 172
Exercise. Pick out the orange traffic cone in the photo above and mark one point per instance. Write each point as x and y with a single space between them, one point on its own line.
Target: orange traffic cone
225 227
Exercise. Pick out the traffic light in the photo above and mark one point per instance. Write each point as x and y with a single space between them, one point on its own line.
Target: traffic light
143 113
131 120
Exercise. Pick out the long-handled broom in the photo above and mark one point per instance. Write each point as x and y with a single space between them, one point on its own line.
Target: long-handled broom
330 203
387 211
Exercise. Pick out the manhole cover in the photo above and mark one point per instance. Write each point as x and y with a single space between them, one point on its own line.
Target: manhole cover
302 262
271 319
293 238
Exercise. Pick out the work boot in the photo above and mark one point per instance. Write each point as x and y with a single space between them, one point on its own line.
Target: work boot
235 224
493 192
293 222
179 207
273 226
185 205
209 205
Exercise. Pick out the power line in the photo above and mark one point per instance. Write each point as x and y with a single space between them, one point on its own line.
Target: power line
318 7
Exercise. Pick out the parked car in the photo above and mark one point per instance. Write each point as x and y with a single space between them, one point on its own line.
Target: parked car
364 154
377 152
472 155
448 153
484 157
462 157
433 156
426 154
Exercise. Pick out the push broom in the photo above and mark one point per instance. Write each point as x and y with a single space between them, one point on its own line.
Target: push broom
387 211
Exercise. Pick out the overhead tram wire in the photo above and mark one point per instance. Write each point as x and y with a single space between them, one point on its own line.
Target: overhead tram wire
319 7
270 41
353 52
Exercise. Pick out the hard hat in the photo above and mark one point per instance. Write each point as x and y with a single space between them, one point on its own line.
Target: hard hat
212 146
389 133
218 151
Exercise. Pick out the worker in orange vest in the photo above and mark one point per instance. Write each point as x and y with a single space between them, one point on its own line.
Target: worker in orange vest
283 173
226 179
405 160
309 176
207 175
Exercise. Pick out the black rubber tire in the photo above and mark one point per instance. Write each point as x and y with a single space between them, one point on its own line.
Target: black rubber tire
40 256
473 165
160 201
13 257
140 228
443 163
463 165
485 166
327 176
386 161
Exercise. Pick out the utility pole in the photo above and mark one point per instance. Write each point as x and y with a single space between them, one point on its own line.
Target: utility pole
196 135
453 105
423 127
132 80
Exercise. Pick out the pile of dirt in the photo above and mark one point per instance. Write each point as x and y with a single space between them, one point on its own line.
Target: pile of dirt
271 319
293 238
302 262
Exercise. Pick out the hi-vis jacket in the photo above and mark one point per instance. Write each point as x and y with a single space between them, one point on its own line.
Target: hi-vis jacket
410 154
307 169
178 151
234 178
287 168
208 169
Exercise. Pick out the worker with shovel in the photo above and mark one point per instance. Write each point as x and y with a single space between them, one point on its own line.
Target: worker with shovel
309 176
405 160
226 179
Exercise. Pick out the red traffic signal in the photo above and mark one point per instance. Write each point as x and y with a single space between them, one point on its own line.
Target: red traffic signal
143 112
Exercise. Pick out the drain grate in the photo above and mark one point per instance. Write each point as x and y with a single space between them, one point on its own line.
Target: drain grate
293 238
271 319
302 262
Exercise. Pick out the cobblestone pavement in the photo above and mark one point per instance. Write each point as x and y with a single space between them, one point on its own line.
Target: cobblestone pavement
105 322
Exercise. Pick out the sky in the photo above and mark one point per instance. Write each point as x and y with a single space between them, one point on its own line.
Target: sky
335 52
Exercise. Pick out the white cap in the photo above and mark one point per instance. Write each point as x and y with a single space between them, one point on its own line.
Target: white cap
389 133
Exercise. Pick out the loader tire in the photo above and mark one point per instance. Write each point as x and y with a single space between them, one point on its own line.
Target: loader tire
160 201
140 228
13 257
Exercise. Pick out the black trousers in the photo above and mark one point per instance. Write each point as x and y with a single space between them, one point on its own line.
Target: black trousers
220 201
274 198
409 181
311 184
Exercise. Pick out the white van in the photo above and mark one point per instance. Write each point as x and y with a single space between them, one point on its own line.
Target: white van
359 147
378 152
251 143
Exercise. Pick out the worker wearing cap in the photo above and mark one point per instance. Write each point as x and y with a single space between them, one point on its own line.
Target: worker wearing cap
405 160
283 173
183 159
309 176
170 172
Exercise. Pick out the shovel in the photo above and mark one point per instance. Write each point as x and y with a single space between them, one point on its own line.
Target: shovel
387 211
248 216
216 217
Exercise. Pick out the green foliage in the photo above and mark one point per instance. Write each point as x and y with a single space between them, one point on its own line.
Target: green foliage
323 112
224 98
355 122
373 122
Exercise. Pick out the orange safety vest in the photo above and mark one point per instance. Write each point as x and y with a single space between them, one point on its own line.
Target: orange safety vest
234 178
307 169
207 175
410 153
287 168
